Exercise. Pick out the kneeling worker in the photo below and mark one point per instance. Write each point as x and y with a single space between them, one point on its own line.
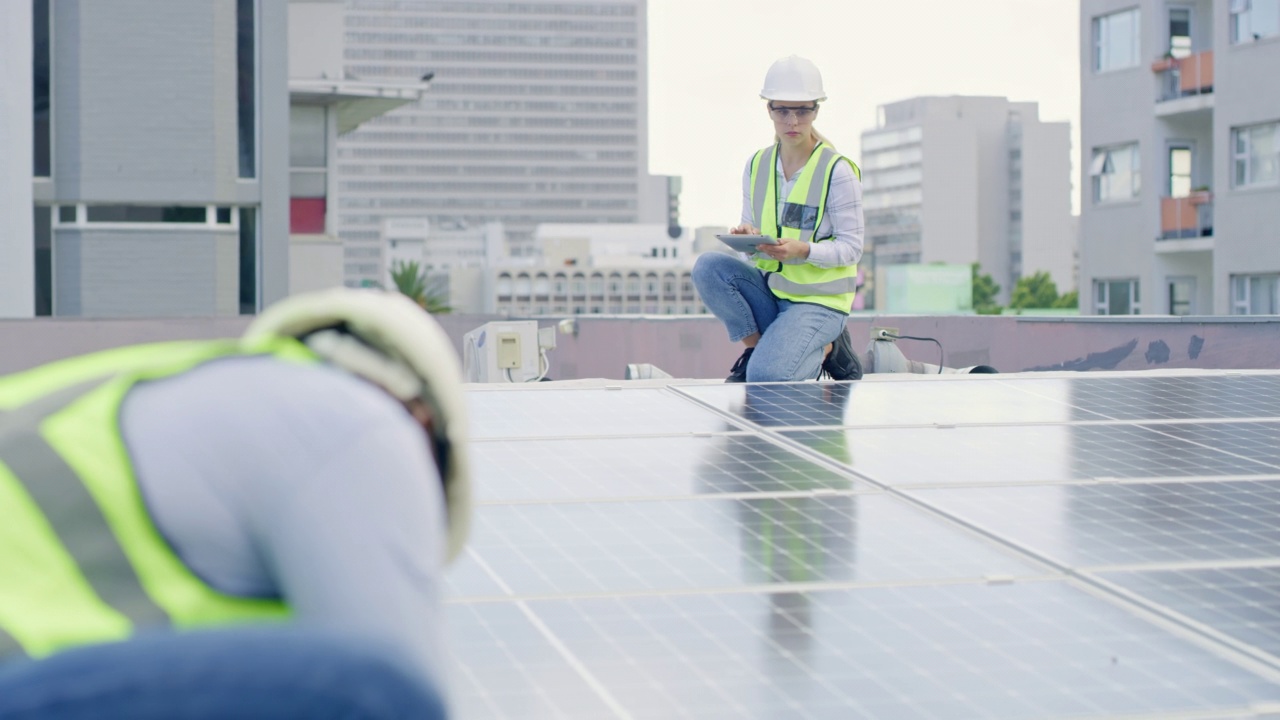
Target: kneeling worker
251 528
789 309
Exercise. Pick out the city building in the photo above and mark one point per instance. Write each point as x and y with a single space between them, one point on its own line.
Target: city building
151 175
580 269
452 259
323 106
534 116
1182 93
967 179
186 172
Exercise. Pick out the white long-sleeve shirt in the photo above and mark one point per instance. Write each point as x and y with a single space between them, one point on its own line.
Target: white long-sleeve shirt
843 219
302 482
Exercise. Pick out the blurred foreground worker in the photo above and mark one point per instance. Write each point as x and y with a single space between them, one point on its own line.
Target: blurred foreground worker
235 529
790 307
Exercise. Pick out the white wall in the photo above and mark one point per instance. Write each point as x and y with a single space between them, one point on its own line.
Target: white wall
1048 231
315 263
315 39
17 232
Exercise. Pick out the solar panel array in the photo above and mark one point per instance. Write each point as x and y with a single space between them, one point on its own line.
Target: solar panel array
1100 546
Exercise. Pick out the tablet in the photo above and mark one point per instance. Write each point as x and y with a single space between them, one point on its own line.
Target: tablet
747 243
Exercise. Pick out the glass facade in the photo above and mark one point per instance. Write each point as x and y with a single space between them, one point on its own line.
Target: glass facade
1254 20
42 105
1255 294
1256 155
1116 297
1117 41
246 87
535 114
1116 173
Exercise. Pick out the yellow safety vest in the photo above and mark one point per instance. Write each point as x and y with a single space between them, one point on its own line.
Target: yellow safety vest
81 561
802 213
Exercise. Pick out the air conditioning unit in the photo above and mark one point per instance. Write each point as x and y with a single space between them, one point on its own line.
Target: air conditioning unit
512 351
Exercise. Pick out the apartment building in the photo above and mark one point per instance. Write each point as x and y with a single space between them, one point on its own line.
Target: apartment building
1180 125
537 113
967 179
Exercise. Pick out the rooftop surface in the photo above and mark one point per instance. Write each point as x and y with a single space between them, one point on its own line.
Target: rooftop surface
1098 545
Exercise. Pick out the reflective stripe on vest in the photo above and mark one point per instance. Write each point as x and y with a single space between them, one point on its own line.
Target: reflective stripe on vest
80 559
803 212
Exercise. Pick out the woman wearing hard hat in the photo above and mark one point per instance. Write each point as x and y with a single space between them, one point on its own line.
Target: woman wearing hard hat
789 308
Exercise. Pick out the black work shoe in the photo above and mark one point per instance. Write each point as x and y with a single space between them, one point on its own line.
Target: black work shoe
739 371
842 362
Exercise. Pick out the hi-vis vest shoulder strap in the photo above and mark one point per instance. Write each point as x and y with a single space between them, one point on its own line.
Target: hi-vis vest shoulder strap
80 559
798 217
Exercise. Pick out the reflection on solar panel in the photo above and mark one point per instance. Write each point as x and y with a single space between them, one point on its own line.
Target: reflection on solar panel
1103 545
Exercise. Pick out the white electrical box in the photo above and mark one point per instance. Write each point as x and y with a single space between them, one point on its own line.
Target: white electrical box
504 352
508 351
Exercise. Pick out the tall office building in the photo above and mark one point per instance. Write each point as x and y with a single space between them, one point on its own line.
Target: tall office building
537 113
1180 125
969 179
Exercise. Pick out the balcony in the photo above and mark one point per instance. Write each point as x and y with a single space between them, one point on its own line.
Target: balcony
1186 84
1187 219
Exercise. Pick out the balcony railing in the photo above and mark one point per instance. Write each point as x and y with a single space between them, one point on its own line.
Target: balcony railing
1186 217
1183 77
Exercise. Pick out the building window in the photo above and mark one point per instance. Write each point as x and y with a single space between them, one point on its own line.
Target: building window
1256 151
1255 294
44 260
1254 19
1116 41
248 262
1180 32
40 44
1116 173
1181 295
179 214
246 87
308 179
1116 297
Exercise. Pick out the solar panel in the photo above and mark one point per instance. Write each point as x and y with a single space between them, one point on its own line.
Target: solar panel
1142 524
1168 397
589 468
713 543
1021 454
926 401
1003 547
537 413
1256 441
1036 649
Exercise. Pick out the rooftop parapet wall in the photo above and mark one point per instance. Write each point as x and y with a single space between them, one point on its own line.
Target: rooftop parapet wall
698 347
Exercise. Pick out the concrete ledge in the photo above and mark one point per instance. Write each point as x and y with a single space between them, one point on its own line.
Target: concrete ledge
698 346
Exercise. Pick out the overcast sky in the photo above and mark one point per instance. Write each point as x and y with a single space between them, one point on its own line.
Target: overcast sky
707 60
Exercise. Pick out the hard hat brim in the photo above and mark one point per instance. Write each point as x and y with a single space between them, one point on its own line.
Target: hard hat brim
792 97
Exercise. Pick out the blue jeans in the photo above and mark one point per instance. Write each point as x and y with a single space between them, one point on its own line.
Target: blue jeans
212 675
793 336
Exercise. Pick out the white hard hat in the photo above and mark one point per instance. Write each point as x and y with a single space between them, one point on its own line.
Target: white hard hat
389 340
793 79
